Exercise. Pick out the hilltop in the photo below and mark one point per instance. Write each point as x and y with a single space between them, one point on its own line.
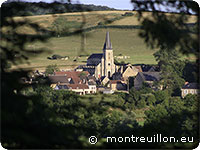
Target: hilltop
42 8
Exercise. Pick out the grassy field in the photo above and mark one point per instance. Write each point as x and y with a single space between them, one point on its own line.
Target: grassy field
93 18
124 41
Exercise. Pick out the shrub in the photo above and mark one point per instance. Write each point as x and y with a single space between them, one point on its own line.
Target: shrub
128 14
161 96
50 69
151 100
56 56
118 103
141 103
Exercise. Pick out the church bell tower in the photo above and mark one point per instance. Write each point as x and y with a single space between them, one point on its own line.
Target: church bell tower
109 67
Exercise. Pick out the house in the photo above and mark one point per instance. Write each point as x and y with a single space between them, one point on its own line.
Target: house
80 89
150 68
130 71
125 71
189 88
146 77
92 86
59 79
74 75
117 85
79 82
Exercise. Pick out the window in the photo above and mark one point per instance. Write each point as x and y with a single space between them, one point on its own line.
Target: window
108 55
108 74
185 91
108 64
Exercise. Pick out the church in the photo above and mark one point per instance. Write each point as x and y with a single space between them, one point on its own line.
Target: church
101 64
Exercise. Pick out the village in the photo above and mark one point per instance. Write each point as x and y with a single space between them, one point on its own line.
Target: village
99 74
102 75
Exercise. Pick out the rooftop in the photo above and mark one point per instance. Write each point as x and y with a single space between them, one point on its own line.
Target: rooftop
191 86
150 76
58 79
77 86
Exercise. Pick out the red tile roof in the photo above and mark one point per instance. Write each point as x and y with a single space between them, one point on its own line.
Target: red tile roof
72 74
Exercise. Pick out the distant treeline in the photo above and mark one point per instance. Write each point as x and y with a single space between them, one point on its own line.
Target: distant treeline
41 8
114 26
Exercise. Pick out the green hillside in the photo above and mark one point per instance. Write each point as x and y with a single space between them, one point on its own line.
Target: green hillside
126 42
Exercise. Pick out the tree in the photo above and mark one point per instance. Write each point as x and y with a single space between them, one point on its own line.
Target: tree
171 70
51 69
150 100
161 96
134 94
157 29
60 26
141 103
24 118
191 102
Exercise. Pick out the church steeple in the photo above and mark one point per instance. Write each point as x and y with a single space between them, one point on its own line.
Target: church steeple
107 44
108 64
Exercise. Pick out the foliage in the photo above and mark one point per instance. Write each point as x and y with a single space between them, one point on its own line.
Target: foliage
134 94
151 100
191 102
157 30
190 71
61 26
128 14
46 118
56 56
141 103
161 96
51 69
42 8
109 21
171 70
118 103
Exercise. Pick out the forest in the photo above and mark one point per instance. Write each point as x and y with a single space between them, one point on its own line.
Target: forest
42 8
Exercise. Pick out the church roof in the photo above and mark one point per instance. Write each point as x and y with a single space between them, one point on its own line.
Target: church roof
94 59
107 44
100 55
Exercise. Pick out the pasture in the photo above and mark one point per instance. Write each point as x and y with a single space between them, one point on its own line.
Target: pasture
125 42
